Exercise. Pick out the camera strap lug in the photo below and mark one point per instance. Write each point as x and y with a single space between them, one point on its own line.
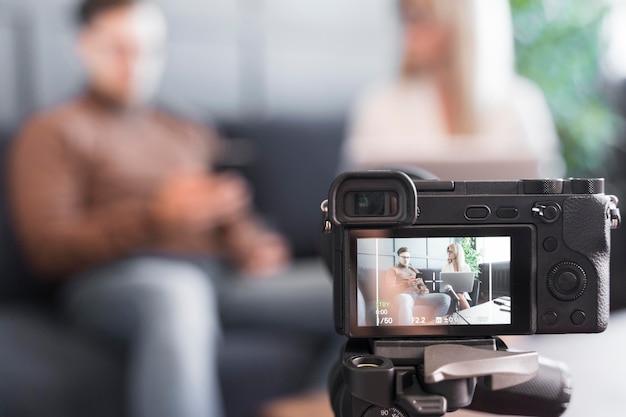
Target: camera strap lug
613 212
327 224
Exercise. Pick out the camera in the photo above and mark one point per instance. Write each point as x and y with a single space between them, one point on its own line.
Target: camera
536 255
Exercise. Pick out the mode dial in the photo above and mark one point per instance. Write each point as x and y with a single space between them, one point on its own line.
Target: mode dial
587 185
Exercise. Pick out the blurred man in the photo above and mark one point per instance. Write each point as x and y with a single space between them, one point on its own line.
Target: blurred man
111 198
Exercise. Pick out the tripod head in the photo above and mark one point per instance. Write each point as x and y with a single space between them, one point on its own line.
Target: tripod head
429 377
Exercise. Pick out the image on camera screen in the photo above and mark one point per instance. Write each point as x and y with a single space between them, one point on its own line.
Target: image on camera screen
434 281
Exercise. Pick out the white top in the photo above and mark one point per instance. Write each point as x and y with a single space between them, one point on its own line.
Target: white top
402 123
449 267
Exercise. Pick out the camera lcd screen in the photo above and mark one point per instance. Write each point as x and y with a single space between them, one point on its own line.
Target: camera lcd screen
442 282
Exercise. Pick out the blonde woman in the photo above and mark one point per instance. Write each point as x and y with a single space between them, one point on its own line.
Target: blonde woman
456 263
457 97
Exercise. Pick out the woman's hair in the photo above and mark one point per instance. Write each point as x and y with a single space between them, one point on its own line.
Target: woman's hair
459 252
89 9
480 36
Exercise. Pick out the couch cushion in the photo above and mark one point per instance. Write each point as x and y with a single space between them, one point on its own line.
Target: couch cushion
49 369
291 167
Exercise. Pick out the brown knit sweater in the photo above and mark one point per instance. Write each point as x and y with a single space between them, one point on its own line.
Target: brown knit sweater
81 176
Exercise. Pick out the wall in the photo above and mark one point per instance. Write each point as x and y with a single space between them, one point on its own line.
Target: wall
426 253
228 58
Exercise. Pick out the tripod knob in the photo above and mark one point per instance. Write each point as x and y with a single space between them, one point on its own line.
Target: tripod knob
504 369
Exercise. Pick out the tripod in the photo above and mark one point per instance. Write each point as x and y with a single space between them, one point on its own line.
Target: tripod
430 377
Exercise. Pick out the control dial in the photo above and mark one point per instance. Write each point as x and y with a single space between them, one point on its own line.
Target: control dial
567 281
543 186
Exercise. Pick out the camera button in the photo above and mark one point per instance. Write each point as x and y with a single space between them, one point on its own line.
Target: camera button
567 282
548 212
550 244
550 318
507 212
578 317
477 212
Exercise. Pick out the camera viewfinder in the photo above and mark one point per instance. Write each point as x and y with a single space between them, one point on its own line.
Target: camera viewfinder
373 203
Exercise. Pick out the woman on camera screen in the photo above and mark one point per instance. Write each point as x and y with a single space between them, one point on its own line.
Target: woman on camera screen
456 263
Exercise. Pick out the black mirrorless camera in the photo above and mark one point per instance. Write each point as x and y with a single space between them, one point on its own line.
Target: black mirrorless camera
538 251
427 272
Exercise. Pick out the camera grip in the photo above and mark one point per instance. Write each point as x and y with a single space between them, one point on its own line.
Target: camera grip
587 231
546 395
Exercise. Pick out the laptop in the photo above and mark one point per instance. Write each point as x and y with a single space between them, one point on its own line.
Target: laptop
460 281
483 169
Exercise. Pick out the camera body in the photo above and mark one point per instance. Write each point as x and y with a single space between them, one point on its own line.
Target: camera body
538 250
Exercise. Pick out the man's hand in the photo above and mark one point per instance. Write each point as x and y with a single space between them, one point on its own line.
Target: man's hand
195 203
418 284
267 255
422 288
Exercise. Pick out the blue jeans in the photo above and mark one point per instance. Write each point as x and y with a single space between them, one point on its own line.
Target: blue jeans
440 303
169 312
165 311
